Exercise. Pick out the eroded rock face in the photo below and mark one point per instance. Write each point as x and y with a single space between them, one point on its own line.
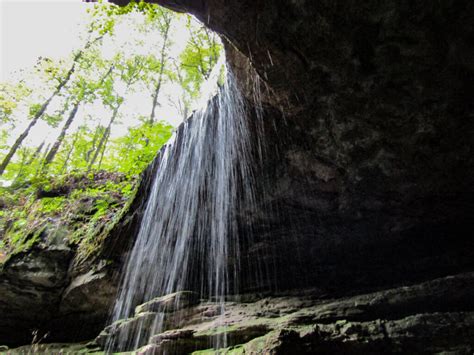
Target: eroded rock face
368 173
30 287
426 318
38 295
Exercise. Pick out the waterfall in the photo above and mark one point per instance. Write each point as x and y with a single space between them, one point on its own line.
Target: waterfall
188 235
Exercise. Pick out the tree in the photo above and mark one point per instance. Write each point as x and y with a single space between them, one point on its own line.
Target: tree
131 153
27 165
162 19
95 89
83 91
55 147
129 71
69 151
37 111
194 65
10 96
199 57
79 147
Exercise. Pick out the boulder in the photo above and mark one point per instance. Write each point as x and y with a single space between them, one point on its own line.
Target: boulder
30 289
170 303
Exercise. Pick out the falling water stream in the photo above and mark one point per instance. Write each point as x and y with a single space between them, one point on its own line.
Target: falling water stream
188 235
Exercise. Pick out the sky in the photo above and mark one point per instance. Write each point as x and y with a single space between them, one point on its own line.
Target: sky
34 28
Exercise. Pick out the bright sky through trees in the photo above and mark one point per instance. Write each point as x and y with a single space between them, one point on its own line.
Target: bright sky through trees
34 28
81 82
37 28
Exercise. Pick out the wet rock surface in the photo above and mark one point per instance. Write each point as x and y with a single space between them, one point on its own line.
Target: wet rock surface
436 316
431 317
170 303
368 133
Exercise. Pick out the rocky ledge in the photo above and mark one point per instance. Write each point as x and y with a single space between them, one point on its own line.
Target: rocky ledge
431 317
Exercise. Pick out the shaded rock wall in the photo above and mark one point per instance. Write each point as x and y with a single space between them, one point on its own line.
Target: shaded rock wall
368 173
30 288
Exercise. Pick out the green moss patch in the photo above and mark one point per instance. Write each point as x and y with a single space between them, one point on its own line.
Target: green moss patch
75 210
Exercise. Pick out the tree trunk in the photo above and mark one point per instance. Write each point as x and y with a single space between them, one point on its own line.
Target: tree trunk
104 138
103 150
68 156
155 100
20 169
36 153
38 171
160 78
57 144
24 134
87 155
25 162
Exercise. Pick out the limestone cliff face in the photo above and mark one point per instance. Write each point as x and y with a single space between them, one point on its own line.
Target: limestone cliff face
369 136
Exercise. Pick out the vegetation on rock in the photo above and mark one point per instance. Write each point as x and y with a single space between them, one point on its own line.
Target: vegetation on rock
70 210
71 186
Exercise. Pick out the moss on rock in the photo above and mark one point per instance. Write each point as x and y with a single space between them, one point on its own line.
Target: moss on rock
74 210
